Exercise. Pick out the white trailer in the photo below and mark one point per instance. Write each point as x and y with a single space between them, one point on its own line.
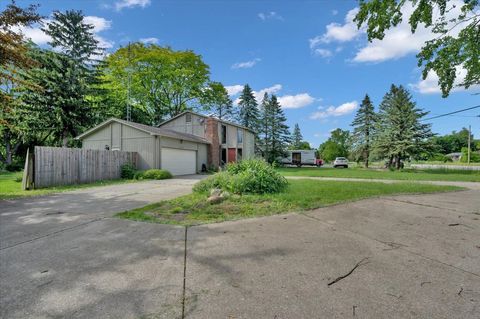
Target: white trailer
300 157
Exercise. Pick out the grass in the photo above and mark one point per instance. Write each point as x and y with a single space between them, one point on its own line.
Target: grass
11 186
300 195
405 174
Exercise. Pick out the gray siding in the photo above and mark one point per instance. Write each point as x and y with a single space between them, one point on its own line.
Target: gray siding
248 145
195 127
124 138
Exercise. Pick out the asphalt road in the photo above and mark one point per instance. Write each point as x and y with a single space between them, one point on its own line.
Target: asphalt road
416 257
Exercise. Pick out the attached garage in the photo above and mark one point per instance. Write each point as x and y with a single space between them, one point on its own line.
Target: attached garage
179 162
179 153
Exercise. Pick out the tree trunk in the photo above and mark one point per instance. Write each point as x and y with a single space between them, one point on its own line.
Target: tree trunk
397 162
390 161
65 138
8 147
367 154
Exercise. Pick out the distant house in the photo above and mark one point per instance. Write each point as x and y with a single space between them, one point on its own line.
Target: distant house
454 156
182 145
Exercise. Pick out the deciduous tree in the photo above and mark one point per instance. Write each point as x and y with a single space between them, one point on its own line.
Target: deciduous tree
456 31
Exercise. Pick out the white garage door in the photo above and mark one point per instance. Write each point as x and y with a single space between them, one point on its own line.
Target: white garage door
179 162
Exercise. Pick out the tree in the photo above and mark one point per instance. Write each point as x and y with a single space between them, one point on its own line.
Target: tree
217 100
296 137
75 41
453 142
248 111
337 145
456 35
274 134
14 58
400 132
364 128
163 82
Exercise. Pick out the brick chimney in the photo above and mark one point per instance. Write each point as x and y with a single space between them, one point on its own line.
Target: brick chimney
211 134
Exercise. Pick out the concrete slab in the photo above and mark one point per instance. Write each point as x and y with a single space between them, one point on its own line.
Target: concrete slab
107 269
29 218
280 266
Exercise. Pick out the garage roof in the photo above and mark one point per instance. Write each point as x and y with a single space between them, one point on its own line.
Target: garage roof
152 130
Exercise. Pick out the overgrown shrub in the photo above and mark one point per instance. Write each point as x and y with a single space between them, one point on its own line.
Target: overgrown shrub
138 175
474 156
156 174
245 177
15 166
127 171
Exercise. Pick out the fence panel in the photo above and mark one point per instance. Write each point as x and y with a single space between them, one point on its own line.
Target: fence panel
54 166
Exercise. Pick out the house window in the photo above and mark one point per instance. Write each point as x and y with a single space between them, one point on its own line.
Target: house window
188 118
224 156
224 134
239 135
239 154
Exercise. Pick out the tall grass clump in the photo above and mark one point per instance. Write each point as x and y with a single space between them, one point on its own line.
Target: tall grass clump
253 176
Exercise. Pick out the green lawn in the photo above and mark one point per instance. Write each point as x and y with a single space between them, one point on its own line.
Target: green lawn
406 174
11 186
300 195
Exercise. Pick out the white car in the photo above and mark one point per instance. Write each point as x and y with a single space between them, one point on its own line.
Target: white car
340 162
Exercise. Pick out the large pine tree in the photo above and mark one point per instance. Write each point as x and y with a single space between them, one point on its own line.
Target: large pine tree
363 130
265 120
400 132
278 133
248 110
75 41
297 138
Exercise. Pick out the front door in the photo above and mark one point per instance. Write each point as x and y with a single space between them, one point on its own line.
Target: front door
232 155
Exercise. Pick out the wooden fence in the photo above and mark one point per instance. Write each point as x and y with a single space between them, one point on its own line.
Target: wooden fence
54 166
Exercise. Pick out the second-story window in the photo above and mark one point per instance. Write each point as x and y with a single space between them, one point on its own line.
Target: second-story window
239 135
224 134
188 118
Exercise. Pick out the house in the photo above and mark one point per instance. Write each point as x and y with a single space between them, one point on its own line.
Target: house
182 145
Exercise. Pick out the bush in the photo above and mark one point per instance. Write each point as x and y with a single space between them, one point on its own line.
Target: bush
245 177
156 174
474 156
138 175
438 157
127 171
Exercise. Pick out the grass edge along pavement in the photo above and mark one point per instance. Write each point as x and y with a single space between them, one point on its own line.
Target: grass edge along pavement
301 195
11 186
405 174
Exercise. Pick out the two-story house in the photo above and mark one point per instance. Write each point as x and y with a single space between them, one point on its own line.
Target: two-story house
185 144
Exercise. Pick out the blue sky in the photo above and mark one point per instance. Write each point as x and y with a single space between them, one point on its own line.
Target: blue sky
308 53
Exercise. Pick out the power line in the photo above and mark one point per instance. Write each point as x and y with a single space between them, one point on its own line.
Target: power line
454 112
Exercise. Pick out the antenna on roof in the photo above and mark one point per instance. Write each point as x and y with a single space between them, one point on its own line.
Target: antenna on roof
129 80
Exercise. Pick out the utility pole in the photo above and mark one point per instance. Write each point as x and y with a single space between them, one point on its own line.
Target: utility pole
469 138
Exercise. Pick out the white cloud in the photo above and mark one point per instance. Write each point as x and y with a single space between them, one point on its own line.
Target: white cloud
119 5
295 101
272 15
430 84
334 12
324 53
343 109
234 89
398 41
246 64
286 101
151 40
338 32
99 24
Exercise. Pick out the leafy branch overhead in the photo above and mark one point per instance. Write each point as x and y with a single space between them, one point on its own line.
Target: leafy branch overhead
456 30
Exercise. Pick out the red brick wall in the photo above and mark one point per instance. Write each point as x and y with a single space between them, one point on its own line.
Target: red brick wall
211 134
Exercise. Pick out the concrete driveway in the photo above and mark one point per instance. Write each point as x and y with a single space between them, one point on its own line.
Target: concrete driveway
394 257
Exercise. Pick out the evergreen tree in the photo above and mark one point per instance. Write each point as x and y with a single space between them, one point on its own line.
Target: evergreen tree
364 128
265 121
296 138
248 113
71 69
400 133
278 131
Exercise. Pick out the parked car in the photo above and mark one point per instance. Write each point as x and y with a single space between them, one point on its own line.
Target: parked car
340 162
